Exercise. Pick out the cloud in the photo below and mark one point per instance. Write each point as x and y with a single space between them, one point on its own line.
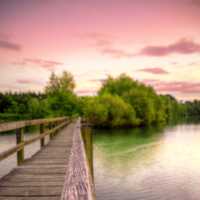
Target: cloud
85 92
100 80
183 46
46 64
174 86
97 36
29 81
7 45
155 70
98 39
195 2
4 36
182 87
105 44
116 53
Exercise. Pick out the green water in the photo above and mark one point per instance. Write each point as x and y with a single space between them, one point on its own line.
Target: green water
147 164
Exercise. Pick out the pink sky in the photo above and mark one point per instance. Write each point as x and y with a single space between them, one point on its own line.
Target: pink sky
154 41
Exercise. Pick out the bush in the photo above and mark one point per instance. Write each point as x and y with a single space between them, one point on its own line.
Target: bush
109 111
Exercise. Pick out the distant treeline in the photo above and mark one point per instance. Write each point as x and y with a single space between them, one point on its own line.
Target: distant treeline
120 101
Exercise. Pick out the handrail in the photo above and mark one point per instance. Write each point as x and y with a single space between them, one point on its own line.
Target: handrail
9 126
78 181
18 126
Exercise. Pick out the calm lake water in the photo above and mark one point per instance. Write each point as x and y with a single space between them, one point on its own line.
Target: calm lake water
147 164
136 164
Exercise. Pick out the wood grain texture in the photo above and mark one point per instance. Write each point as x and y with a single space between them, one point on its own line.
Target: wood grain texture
59 171
42 176
21 146
9 126
30 198
78 180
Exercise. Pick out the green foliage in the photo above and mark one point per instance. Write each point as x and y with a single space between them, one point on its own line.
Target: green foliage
18 106
63 103
109 110
193 108
4 117
38 109
121 101
58 100
60 96
60 84
94 111
149 107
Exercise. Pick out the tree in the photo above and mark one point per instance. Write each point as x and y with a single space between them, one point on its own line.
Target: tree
64 83
60 95
109 111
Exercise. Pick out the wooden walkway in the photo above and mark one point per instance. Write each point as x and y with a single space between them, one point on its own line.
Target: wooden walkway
41 177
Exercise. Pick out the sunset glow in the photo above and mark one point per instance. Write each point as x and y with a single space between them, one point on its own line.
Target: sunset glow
154 41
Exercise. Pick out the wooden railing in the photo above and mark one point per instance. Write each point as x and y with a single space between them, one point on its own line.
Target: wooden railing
53 125
78 182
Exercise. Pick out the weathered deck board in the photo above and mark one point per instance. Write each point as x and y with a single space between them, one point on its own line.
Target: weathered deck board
42 176
78 182
30 198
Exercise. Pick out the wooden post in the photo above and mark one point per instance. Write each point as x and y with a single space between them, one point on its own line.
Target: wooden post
19 140
41 132
88 143
55 125
50 127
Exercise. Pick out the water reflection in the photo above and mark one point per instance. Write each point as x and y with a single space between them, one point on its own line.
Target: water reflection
153 163
88 142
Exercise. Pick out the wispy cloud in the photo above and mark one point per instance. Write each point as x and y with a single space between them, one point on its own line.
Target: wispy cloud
29 81
46 64
83 92
99 80
116 53
8 45
183 46
195 2
105 44
154 70
174 86
4 36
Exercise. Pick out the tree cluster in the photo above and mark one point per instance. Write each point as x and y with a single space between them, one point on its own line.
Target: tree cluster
123 101
120 101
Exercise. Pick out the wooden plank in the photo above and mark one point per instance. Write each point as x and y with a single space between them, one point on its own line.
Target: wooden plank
47 162
41 171
19 147
9 126
78 182
42 140
42 176
38 179
31 183
33 176
30 198
41 166
20 140
28 191
53 156
10 151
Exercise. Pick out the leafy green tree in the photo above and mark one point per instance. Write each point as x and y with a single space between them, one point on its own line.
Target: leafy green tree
64 83
121 101
61 98
109 110
94 111
38 109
